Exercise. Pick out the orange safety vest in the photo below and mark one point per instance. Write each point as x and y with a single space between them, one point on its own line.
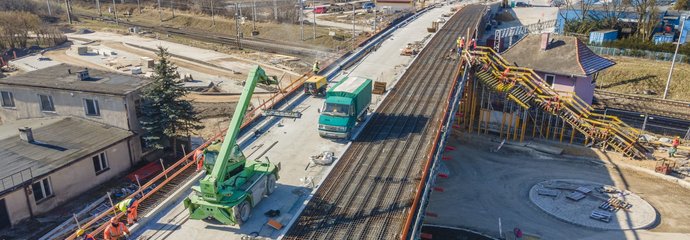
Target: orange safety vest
199 159
112 233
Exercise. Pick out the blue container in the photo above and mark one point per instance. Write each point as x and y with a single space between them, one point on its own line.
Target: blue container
599 37
662 38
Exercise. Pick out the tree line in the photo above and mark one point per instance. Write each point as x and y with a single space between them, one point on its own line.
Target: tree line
26 23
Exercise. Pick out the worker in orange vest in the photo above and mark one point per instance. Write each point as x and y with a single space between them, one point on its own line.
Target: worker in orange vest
473 44
82 236
116 230
674 147
198 158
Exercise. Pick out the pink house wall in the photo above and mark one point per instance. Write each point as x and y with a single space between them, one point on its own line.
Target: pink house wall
583 87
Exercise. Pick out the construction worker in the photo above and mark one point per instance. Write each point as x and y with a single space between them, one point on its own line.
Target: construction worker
674 147
82 236
198 158
461 44
316 68
115 230
129 206
473 44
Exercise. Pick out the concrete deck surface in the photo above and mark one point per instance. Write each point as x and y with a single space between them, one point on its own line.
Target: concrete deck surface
484 187
297 140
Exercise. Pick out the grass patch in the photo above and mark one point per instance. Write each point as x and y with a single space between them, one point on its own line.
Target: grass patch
634 76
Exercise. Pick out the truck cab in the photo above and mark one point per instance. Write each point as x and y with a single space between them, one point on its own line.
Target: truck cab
369 6
346 103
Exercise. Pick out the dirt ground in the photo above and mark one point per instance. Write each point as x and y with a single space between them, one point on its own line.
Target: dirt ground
187 20
635 75
484 186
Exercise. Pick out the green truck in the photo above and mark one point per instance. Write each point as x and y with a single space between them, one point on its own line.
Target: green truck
346 104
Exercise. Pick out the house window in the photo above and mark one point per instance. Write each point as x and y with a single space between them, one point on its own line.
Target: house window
42 189
46 103
550 79
100 163
91 107
7 99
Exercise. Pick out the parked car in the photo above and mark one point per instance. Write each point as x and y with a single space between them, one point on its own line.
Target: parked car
522 4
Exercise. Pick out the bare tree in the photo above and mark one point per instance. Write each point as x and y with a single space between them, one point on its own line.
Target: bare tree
647 17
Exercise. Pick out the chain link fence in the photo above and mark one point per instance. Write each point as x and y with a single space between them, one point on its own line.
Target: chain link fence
657 56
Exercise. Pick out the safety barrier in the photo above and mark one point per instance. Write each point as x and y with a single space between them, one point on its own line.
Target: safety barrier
526 88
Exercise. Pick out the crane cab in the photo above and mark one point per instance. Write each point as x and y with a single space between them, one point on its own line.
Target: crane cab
316 85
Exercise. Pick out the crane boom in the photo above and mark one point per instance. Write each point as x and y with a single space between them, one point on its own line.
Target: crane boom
210 183
233 185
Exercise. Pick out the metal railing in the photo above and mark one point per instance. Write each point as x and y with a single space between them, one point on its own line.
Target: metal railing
15 180
657 56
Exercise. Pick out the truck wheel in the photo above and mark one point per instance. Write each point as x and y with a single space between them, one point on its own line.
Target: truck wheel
242 212
363 116
271 184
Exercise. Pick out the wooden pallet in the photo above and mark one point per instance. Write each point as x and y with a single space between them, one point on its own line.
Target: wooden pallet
379 88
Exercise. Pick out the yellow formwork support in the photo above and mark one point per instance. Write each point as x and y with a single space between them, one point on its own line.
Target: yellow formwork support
488 121
572 135
515 130
503 122
524 127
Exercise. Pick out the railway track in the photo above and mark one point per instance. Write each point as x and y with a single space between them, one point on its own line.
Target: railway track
370 191
661 107
258 44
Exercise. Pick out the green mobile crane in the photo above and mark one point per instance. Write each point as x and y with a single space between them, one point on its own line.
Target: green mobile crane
233 186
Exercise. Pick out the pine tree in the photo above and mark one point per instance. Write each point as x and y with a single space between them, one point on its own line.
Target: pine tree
165 115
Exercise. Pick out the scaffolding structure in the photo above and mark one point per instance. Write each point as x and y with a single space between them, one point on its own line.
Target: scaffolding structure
527 106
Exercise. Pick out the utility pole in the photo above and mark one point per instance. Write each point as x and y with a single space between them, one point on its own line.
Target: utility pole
69 13
237 25
375 20
213 18
139 6
160 13
98 5
49 12
354 35
172 8
301 19
673 63
253 16
115 12
313 12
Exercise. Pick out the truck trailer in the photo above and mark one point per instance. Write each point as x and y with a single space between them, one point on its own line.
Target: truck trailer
346 104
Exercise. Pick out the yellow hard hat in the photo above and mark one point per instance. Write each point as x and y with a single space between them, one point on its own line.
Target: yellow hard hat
80 232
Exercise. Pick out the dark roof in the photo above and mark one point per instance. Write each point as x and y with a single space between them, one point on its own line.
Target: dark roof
57 77
565 55
58 142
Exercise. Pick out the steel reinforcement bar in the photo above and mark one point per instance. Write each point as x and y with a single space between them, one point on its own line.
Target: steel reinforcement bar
374 186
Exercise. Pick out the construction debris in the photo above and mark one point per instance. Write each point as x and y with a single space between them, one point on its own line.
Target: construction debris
601 216
325 158
281 113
